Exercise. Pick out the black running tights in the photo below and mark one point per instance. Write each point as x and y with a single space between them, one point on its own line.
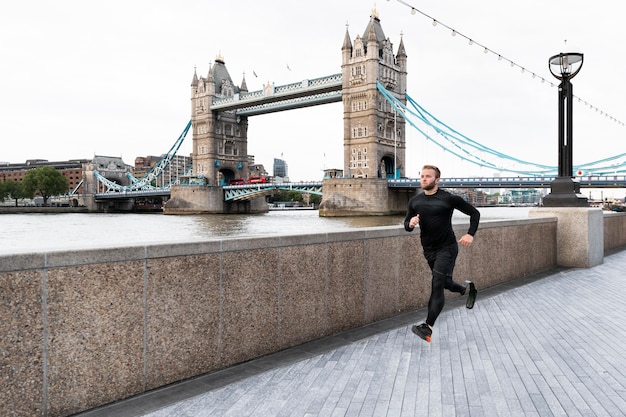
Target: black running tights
441 263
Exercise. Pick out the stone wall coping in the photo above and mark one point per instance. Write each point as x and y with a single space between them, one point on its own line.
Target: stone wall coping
64 258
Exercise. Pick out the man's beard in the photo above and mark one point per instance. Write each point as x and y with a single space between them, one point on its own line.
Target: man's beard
428 187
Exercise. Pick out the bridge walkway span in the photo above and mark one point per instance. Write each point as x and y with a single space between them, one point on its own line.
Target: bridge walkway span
250 191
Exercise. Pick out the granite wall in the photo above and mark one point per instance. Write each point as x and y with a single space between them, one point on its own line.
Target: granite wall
88 327
614 231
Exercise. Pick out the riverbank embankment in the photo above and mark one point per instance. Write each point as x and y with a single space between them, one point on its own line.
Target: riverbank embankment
85 328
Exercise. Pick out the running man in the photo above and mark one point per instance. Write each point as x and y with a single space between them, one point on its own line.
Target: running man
432 210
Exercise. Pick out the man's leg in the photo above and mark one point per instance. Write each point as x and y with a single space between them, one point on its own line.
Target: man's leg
442 272
437 298
462 288
435 306
454 286
424 330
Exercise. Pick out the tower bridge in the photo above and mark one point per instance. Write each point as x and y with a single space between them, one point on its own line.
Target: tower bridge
373 137
372 87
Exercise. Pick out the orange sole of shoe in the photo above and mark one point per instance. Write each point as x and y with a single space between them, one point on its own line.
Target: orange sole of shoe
420 334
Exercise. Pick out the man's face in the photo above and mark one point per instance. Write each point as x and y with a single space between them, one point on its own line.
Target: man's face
428 180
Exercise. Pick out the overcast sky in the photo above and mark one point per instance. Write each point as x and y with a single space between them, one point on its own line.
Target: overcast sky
83 78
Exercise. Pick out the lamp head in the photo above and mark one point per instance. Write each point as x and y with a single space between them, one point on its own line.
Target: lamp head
565 65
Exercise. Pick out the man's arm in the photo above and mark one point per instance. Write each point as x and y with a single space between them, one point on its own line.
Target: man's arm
466 208
410 213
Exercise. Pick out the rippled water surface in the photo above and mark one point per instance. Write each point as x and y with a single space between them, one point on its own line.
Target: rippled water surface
35 232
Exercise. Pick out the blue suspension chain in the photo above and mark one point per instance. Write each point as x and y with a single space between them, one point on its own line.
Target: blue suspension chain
466 147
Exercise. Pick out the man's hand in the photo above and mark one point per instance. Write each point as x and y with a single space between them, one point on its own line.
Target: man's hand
465 240
414 221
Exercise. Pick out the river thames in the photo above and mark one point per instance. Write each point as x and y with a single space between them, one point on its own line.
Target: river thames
22 233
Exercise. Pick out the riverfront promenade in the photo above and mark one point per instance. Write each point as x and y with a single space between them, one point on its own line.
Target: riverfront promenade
547 345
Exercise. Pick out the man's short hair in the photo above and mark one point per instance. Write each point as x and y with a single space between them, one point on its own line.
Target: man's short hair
434 168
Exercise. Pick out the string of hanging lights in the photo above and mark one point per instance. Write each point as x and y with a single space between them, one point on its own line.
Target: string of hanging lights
500 57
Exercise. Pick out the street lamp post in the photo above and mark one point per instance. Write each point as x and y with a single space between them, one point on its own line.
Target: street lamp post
565 190
395 145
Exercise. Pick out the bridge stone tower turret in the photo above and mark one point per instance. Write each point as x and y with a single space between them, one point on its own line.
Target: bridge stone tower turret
220 149
374 134
220 139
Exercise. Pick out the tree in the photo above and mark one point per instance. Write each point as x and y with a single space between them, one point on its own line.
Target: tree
286 196
46 182
14 190
315 199
294 196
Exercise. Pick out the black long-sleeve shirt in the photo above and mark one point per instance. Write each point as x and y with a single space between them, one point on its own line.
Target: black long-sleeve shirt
436 217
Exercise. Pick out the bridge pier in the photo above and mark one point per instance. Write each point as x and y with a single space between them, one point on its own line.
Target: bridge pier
362 197
200 199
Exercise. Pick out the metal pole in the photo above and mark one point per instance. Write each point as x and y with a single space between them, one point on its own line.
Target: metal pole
562 139
395 145
569 144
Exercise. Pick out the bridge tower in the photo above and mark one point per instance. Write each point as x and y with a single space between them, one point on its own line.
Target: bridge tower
220 139
220 149
374 135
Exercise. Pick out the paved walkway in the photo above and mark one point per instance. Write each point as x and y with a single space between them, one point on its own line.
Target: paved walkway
549 345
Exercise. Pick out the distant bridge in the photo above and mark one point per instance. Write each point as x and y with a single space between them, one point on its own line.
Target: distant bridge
250 191
596 181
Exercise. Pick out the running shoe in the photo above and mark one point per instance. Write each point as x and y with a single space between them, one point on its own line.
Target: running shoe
423 331
471 298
